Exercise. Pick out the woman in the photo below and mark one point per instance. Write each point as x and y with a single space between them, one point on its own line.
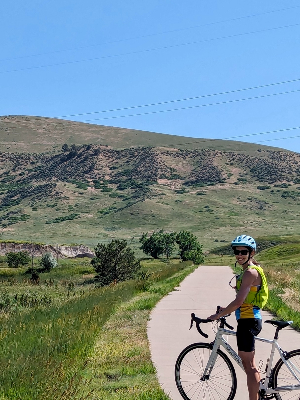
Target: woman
252 295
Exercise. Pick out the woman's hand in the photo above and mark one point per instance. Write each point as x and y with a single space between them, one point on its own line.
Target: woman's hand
213 317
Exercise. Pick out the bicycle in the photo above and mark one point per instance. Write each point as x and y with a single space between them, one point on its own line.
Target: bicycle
203 371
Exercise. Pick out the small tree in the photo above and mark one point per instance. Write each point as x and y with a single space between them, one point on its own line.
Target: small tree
20 258
47 262
158 243
153 245
189 247
114 262
169 244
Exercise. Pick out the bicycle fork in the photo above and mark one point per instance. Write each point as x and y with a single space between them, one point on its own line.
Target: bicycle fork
214 353
211 361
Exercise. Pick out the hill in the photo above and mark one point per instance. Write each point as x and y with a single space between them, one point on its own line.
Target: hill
67 182
37 134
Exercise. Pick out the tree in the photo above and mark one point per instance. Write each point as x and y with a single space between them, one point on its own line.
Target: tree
14 260
169 244
158 243
189 247
153 245
114 262
47 262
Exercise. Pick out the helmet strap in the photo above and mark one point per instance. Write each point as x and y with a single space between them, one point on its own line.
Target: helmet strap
250 251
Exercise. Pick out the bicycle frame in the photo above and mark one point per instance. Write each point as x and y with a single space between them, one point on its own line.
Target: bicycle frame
264 384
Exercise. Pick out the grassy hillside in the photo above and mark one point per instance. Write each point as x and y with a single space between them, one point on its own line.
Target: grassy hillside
38 134
132 183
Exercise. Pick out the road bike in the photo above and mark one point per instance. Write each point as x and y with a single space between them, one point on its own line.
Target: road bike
203 371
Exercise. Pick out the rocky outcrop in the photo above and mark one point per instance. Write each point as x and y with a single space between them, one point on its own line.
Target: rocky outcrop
38 250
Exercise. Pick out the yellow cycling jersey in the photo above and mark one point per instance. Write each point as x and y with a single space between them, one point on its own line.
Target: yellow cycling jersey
256 298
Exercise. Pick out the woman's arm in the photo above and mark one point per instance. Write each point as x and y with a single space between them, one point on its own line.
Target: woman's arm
249 278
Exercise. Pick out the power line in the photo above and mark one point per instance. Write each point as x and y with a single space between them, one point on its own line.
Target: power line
283 138
150 50
264 133
152 34
180 100
196 106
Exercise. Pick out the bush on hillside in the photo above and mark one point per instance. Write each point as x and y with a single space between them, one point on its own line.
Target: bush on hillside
114 262
20 258
47 262
263 187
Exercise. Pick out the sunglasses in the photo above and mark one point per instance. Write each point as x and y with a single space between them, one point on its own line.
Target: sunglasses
242 252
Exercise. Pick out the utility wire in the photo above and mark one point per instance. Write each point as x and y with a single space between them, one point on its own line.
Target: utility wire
152 34
283 138
151 49
183 99
196 106
263 133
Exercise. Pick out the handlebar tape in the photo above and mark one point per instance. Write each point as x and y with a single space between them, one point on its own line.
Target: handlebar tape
228 326
198 321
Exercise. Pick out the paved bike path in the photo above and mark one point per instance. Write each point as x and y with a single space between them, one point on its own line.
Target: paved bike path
201 292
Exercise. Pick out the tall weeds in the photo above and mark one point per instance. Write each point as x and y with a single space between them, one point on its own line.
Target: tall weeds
41 351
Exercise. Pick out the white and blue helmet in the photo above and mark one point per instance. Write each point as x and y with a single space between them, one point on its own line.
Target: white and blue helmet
244 240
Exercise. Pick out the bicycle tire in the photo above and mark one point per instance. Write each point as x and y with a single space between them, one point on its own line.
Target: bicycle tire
283 377
189 369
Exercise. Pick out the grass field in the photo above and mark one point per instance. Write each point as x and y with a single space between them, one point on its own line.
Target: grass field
67 338
64 338
214 216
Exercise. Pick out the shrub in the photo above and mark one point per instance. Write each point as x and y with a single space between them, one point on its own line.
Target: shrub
47 262
114 262
263 187
14 260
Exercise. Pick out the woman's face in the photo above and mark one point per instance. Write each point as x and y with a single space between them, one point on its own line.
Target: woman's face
241 254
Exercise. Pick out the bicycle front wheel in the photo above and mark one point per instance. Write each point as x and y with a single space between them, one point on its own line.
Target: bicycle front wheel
189 369
283 376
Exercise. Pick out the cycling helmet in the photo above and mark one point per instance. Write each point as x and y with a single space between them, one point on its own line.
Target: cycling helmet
244 240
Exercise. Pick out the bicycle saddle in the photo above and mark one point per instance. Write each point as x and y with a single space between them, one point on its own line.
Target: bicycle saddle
279 324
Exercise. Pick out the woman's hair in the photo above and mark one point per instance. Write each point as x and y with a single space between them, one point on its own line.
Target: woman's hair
254 261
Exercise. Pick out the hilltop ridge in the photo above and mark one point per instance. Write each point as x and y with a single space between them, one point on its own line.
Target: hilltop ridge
86 193
41 134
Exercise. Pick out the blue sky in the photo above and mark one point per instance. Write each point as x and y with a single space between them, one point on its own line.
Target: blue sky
65 58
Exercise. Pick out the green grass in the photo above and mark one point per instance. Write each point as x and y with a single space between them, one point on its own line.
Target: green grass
43 348
50 350
91 343
169 211
121 366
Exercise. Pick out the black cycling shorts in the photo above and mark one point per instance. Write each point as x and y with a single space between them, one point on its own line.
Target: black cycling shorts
247 328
